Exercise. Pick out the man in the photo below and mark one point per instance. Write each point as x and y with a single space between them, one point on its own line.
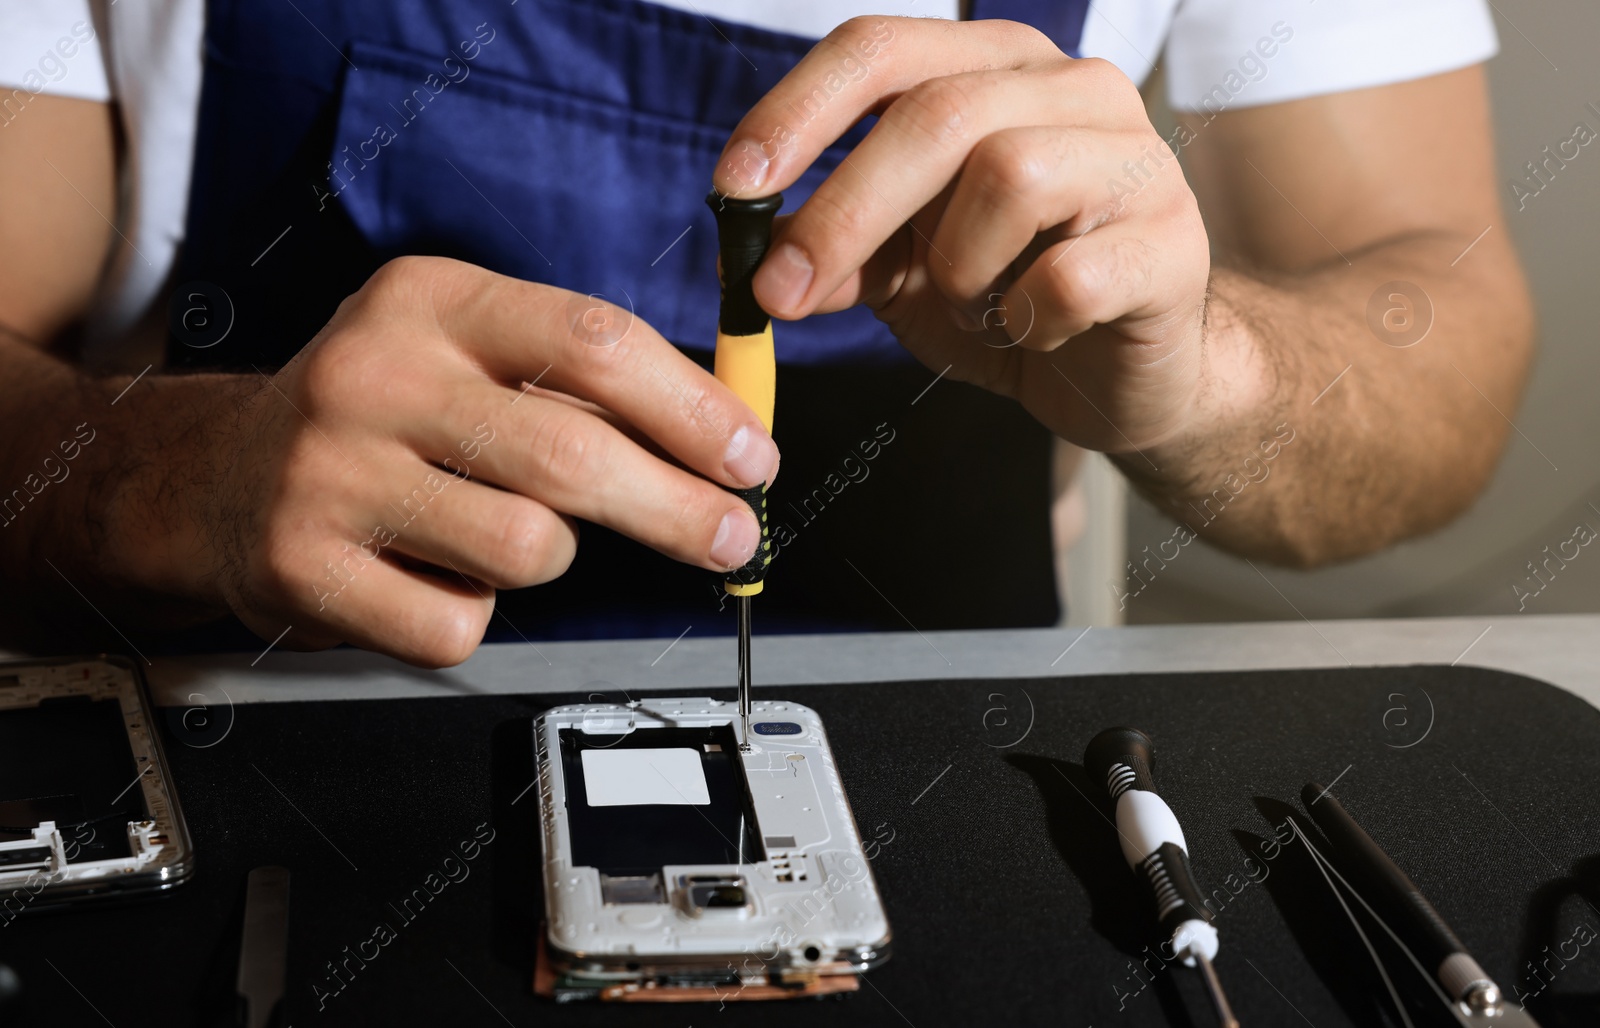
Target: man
1321 292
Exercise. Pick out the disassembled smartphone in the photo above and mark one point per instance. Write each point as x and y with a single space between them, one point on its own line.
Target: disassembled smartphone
677 867
86 802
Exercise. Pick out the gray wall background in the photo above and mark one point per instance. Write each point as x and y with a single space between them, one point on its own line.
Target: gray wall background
1542 80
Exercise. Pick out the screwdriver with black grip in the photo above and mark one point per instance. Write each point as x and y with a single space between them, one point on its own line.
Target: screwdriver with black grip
1408 916
746 363
1153 844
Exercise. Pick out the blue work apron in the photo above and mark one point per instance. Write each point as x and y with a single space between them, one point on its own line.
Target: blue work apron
572 143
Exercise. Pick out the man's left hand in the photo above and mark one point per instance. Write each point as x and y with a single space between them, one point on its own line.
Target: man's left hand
1013 207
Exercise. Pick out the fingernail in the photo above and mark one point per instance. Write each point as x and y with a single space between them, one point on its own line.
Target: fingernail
745 169
783 278
750 457
737 538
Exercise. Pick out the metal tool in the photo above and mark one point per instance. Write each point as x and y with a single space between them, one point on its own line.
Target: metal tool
263 948
1396 903
745 362
1153 844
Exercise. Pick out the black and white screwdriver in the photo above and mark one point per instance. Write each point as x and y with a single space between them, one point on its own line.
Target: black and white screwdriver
1153 844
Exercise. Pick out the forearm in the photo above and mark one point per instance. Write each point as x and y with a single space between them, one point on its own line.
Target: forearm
1318 437
103 491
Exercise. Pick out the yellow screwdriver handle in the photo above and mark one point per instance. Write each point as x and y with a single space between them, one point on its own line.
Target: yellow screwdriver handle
745 361
748 366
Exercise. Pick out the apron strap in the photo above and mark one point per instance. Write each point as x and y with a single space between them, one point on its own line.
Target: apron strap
1061 20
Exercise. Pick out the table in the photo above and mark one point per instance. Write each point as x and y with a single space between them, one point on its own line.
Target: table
1563 650
467 957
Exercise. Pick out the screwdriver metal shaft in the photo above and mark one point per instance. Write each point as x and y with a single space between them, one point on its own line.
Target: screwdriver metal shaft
744 671
1219 999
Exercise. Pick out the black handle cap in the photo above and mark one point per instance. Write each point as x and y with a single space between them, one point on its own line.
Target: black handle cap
744 229
1114 753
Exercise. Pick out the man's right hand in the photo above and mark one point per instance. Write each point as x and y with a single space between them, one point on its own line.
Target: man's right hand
381 486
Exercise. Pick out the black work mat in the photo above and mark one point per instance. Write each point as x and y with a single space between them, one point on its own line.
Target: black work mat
1004 884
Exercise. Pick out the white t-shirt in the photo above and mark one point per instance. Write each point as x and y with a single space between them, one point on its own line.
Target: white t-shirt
1218 54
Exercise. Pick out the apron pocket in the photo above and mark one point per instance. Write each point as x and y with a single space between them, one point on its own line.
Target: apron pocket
432 155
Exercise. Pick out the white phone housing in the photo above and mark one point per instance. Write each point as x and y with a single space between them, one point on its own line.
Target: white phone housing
811 906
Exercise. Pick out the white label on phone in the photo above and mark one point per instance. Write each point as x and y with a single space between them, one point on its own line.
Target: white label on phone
633 777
